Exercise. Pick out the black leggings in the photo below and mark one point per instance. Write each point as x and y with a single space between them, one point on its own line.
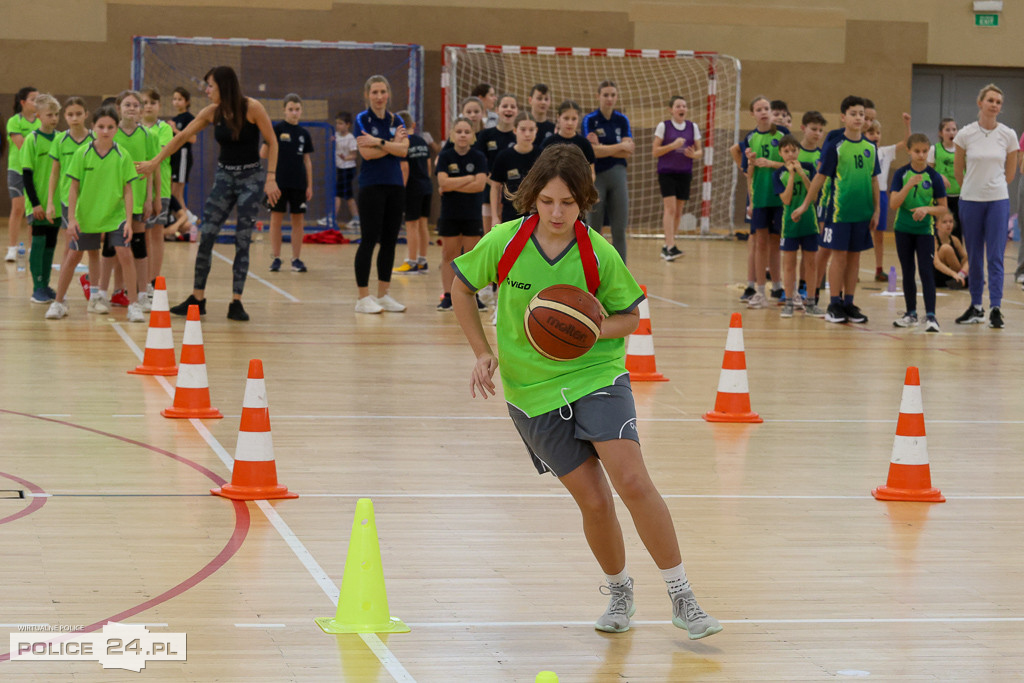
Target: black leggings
923 246
380 218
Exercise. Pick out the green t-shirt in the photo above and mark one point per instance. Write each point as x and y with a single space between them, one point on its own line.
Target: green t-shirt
924 193
808 223
765 146
532 383
944 165
18 125
63 148
163 133
101 181
35 156
812 157
851 165
140 146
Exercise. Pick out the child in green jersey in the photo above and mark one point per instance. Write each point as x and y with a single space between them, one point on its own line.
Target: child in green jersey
35 170
19 126
577 418
919 194
100 205
941 157
159 214
791 183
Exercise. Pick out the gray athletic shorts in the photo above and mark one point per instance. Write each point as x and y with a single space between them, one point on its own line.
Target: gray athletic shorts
15 184
160 220
88 241
559 441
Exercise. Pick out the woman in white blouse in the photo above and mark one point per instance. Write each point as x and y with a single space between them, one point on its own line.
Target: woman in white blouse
984 163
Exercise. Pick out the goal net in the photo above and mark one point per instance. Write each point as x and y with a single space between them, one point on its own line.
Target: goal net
328 76
646 79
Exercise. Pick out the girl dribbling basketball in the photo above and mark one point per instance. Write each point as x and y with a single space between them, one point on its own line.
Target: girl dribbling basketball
575 417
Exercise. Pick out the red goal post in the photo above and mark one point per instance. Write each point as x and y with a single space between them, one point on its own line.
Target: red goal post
646 79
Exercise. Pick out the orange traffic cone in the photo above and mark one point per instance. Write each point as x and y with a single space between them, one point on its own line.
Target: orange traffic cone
910 477
159 356
254 475
733 401
640 349
192 395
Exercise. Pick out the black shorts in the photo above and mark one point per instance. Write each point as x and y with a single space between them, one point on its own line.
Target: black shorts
343 185
290 197
675 185
454 227
417 205
181 165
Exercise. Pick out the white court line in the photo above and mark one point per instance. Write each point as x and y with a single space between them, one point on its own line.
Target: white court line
376 645
638 622
257 278
259 626
668 301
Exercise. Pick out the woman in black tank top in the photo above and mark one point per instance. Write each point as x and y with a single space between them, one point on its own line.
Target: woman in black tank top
238 122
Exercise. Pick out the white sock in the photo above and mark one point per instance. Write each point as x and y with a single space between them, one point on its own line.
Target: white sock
760 289
93 291
617 579
101 292
675 579
421 259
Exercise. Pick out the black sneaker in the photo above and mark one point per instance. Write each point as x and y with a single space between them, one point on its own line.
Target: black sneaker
446 303
747 293
973 315
995 318
182 308
236 312
853 314
298 266
836 313
779 294
671 253
275 265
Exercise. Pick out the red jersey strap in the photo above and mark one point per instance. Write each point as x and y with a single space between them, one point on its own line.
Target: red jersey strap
522 236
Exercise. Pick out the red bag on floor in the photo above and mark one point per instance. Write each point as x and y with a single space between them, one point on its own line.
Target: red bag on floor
325 237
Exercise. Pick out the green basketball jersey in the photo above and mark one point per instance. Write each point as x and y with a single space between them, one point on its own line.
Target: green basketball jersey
531 382
140 146
812 157
63 148
101 181
765 146
808 223
924 193
851 165
18 125
35 156
164 133
944 165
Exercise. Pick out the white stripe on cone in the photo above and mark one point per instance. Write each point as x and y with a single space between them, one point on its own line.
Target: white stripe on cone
910 450
159 338
733 382
911 401
160 300
255 394
734 340
640 345
192 376
254 447
193 334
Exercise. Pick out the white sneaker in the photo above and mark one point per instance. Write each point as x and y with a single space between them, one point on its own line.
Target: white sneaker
368 304
387 303
145 303
98 305
135 314
757 301
486 295
57 311
149 289
12 254
1020 279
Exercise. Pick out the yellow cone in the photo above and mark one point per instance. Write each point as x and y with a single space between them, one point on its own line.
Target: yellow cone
363 601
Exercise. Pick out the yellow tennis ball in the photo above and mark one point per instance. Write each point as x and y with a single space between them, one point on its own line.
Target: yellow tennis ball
546 677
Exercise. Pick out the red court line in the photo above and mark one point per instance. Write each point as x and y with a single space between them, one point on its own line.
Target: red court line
32 507
242 521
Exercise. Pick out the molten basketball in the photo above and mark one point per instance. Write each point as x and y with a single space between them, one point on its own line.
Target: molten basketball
563 322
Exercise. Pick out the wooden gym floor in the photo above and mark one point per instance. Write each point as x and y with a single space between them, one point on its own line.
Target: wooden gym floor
812 578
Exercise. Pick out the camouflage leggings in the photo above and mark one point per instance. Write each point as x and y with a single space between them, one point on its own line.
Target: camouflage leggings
241 189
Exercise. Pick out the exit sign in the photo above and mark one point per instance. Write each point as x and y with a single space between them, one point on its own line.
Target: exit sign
986 20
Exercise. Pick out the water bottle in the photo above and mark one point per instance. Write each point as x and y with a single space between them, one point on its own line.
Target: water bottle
21 257
193 233
259 231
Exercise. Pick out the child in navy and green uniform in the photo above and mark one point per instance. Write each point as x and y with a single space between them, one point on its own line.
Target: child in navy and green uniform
919 193
570 412
791 183
851 162
294 177
36 166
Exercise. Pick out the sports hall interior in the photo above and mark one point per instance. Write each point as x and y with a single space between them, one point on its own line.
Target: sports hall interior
105 511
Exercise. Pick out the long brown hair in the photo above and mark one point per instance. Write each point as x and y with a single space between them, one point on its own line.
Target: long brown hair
558 161
233 106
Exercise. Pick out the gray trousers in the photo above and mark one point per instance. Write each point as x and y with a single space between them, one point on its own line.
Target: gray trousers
613 197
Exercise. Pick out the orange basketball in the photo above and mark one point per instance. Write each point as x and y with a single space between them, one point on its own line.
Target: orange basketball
563 322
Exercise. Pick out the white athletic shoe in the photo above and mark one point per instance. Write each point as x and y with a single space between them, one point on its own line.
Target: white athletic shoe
98 304
368 304
56 311
387 303
145 303
12 254
135 314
